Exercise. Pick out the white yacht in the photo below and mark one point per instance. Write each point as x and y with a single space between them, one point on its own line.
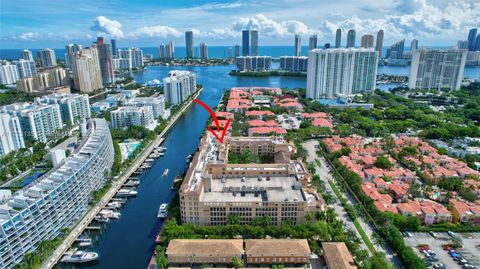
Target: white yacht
110 214
84 241
78 256
126 193
165 173
102 219
163 211
132 183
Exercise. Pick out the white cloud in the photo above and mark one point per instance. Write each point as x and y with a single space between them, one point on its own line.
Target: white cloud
28 36
272 28
155 31
106 26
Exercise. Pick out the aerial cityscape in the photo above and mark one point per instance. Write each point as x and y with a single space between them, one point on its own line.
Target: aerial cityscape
240 134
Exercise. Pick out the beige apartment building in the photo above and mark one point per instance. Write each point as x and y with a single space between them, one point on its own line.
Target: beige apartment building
213 189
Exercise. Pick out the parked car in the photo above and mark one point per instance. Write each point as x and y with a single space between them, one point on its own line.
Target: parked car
468 266
433 258
447 248
452 234
439 266
463 261
434 235
427 263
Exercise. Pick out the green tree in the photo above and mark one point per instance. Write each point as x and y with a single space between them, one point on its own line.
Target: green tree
383 162
237 262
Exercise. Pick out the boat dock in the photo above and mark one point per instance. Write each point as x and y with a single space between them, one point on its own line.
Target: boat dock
125 175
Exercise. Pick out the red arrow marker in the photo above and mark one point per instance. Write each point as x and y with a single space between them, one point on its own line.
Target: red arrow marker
214 117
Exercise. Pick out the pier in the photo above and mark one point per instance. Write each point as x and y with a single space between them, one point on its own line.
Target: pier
117 184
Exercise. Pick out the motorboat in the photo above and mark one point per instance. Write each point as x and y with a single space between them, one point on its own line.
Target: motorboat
102 219
165 173
150 160
126 193
79 256
162 211
132 183
110 214
84 241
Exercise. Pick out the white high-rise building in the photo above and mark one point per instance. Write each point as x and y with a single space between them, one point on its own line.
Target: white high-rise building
137 58
203 50
87 76
27 55
25 68
170 50
126 116
47 58
298 45
254 63
157 103
254 42
437 69
294 63
73 107
343 71
70 53
38 121
8 74
58 199
179 85
11 137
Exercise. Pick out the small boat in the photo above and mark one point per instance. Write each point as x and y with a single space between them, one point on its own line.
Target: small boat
110 214
165 173
126 193
78 256
149 160
132 183
84 241
102 219
162 211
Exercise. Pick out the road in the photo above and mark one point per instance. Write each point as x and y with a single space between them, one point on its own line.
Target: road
117 184
310 147
324 172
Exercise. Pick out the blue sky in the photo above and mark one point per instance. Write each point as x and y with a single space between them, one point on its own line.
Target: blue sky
54 23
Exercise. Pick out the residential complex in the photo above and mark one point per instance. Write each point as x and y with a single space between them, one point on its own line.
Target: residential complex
105 59
49 79
214 189
42 210
335 72
254 252
254 63
27 55
203 50
38 121
254 42
389 187
11 137
294 63
179 85
190 53
351 38
47 57
437 69
131 58
395 51
25 68
366 41
379 43
312 42
245 42
157 103
298 45
73 107
126 116
8 74
87 74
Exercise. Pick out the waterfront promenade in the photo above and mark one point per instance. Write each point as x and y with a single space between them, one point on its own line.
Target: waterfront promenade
116 185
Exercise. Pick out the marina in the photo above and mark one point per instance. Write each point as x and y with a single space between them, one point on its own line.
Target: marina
140 213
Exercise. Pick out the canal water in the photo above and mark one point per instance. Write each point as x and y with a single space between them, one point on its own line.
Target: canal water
129 242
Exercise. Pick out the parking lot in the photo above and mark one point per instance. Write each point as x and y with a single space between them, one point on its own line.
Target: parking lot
470 251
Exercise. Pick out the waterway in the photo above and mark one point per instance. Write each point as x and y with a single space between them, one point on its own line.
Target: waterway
129 241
